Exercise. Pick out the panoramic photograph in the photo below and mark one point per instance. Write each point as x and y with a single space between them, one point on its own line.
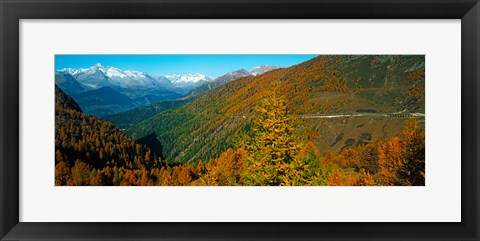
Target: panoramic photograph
239 120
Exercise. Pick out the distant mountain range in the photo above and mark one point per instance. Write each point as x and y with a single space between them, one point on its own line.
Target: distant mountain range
262 69
99 76
133 116
188 79
135 88
231 76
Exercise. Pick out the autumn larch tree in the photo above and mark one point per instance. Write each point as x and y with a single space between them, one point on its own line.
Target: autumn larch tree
273 148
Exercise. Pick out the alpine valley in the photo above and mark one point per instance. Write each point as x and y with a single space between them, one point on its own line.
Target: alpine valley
331 120
103 91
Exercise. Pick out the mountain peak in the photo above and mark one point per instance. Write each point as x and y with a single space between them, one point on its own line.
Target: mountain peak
98 75
262 69
264 66
188 78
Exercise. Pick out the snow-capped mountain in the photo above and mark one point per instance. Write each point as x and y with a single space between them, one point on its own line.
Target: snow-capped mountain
141 88
70 71
233 75
163 81
219 81
262 69
205 82
182 80
98 76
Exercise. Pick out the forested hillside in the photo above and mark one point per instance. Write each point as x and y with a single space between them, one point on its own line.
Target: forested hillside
127 118
130 117
203 129
90 151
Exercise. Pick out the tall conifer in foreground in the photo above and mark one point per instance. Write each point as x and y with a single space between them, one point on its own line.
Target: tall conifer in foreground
272 148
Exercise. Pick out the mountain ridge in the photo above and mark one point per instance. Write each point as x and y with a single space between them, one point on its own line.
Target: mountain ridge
98 76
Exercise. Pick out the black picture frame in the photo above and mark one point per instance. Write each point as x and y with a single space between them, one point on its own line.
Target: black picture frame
13 10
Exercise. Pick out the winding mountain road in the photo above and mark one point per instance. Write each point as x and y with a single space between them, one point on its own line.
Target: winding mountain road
392 115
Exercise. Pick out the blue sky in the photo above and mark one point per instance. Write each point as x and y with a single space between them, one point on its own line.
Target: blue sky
214 65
